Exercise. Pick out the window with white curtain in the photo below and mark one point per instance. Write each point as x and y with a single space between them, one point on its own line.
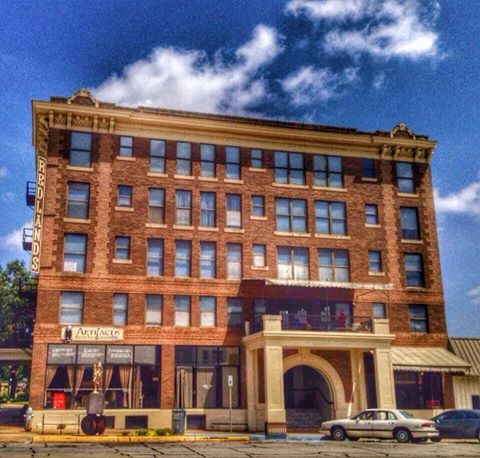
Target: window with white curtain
156 205
232 162
183 208
292 263
207 311
182 258
184 158
154 257
182 310
234 261
120 301
258 206
207 259
234 211
77 200
153 309
207 160
258 255
71 307
207 209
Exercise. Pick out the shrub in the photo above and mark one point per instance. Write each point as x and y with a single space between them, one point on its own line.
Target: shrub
163 432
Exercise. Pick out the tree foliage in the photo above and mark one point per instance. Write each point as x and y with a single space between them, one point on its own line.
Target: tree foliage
17 304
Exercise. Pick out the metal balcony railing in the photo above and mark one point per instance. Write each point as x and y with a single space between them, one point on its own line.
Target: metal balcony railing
27 238
30 193
325 323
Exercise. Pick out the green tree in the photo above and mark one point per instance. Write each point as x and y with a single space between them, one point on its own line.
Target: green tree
17 304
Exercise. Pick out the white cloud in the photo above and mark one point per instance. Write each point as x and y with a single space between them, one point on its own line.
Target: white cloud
3 171
13 240
190 80
8 196
466 200
382 28
475 295
379 81
309 85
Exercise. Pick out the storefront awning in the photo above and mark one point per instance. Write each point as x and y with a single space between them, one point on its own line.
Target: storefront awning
15 354
327 284
431 359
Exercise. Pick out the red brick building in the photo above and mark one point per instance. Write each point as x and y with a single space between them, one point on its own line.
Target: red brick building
186 251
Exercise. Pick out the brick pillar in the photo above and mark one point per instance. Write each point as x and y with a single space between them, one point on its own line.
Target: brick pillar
37 376
384 381
250 355
167 380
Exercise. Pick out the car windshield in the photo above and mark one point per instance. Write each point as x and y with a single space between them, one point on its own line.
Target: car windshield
406 414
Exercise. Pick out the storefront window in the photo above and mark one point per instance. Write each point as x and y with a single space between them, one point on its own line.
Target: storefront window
202 375
418 390
130 375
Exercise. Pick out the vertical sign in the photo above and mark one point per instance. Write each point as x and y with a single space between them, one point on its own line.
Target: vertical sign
38 214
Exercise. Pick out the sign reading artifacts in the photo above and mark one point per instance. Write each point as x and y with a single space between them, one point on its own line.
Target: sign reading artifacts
38 214
89 333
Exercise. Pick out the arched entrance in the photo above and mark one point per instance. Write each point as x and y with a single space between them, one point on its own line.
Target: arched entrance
308 398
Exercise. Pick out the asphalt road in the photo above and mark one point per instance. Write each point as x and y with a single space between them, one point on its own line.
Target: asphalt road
266 449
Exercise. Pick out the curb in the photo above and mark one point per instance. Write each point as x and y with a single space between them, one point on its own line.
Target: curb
134 439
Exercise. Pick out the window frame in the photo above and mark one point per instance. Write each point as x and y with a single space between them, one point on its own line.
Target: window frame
368 168
205 210
149 307
158 260
210 311
229 164
420 271
157 156
125 148
384 310
80 307
327 171
377 263
204 161
262 255
119 307
80 150
183 209
254 206
128 197
234 312
333 266
232 213
235 262
408 231
204 259
177 310
186 259
330 219
297 271
183 164
75 254
256 162
290 171
292 217
154 208
423 321
371 214
85 203
119 238
402 179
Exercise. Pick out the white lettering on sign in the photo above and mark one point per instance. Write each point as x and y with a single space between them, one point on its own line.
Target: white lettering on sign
90 333
38 214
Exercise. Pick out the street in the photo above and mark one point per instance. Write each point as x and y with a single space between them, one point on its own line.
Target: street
244 449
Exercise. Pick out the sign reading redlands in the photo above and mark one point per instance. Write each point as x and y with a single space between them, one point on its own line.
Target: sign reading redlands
38 214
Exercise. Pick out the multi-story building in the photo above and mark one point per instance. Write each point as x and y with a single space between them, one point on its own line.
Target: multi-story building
291 270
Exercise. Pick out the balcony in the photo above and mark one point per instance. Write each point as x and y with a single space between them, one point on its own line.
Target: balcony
318 323
30 194
27 238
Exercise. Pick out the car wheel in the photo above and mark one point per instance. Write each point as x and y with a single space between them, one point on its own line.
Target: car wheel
436 439
338 433
403 435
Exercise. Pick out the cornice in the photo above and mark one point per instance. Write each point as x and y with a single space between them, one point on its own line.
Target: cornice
175 126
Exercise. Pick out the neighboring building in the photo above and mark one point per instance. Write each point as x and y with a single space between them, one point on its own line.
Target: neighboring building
467 387
186 250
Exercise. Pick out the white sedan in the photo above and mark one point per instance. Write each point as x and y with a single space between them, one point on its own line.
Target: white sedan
381 424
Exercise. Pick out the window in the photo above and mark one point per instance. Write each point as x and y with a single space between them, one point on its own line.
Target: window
81 149
330 218
418 318
182 258
378 310
74 252
122 247
156 205
327 171
256 158
258 206
371 214
207 160
157 156
207 259
154 257
124 196
374 261
208 209
182 310
409 223
333 265
184 158
120 309
368 168
234 211
291 215
232 162
292 263
289 168
126 147
414 269
418 390
153 309
71 307
183 210
405 177
258 255
234 312
77 200
207 311
234 261
204 374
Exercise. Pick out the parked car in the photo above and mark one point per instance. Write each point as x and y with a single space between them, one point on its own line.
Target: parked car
458 424
381 424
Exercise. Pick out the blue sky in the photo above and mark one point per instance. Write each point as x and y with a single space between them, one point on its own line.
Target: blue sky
360 63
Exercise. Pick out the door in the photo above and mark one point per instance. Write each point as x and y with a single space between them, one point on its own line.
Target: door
383 424
446 425
361 425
